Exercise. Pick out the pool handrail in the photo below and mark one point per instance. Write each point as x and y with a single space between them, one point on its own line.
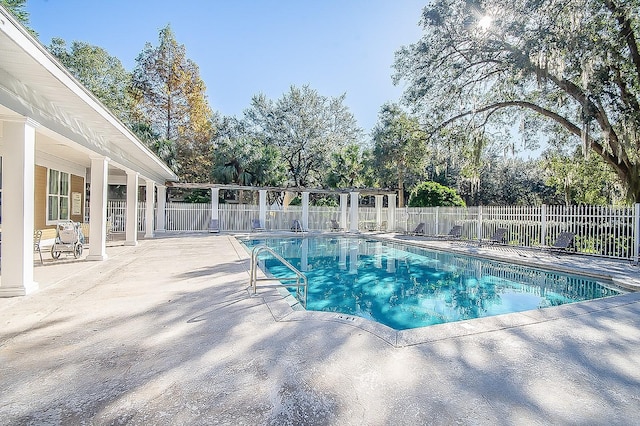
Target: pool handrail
253 274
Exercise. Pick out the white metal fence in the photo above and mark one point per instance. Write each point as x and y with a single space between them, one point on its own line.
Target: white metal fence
599 230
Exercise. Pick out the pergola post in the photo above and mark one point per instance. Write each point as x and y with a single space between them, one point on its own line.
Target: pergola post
391 212
305 211
148 211
17 227
98 209
379 211
344 197
161 210
215 192
353 226
262 203
132 209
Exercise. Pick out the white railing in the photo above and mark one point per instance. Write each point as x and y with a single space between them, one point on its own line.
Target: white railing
609 231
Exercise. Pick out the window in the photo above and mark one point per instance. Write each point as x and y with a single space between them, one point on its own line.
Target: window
58 196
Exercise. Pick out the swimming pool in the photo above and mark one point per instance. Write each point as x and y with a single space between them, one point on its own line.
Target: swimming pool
404 286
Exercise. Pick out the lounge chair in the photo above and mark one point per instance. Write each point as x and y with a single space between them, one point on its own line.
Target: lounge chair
499 237
335 226
256 226
214 225
456 232
419 229
564 242
296 226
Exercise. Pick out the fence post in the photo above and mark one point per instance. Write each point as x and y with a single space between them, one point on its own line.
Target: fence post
437 230
479 222
543 225
636 232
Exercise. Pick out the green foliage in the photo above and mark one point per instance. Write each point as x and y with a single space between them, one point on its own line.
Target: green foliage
99 72
245 160
350 167
17 9
399 147
306 128
432 194
198 196
581 180
572 63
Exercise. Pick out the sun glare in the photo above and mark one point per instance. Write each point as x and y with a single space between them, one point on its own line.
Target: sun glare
485 22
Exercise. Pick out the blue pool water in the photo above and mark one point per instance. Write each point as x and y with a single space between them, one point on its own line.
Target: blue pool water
405 287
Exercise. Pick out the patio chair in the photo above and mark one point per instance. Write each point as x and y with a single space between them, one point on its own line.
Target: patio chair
564 242
214 225
419 229
37 237
499 237
335 226
255 225
455 232
296 226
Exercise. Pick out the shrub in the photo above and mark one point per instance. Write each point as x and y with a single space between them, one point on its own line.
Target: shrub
433 194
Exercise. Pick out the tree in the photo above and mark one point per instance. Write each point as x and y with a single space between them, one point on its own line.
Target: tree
170 97
432 194
99 72
575 63
17 9
349 168
306 128
580 180
399 146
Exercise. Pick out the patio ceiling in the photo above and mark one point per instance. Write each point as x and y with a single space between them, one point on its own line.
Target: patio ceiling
73 124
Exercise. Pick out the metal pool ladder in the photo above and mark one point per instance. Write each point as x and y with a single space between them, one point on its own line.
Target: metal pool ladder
300 279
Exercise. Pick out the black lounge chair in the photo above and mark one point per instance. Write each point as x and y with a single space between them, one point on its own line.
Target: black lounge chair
419 229
296 226
564 242
499 237
256 226
456 232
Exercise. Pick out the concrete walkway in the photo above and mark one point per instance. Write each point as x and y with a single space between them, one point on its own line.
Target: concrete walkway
166 333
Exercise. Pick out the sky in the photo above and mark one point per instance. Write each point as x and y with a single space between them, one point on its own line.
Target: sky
246 47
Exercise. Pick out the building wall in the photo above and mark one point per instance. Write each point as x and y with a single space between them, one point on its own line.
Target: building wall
40 198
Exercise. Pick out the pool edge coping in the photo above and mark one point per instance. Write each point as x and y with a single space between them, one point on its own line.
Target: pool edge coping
283 307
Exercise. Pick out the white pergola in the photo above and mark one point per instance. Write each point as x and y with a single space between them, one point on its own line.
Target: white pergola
351 194
48 117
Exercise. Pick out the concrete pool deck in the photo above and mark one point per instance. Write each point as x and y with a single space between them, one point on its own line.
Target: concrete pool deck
166 332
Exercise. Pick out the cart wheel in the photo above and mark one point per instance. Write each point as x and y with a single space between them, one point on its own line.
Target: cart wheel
77 251
55 254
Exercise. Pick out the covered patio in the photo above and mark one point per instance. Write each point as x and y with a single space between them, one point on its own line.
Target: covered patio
56 141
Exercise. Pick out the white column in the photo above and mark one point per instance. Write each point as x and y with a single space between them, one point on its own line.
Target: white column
343 210
18 168
148 212
305 211
215 195
391 213
161 209
379 211
304 255
98 208
132 209
262 202
354 212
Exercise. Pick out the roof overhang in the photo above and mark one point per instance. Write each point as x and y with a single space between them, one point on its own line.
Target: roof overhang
72 124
